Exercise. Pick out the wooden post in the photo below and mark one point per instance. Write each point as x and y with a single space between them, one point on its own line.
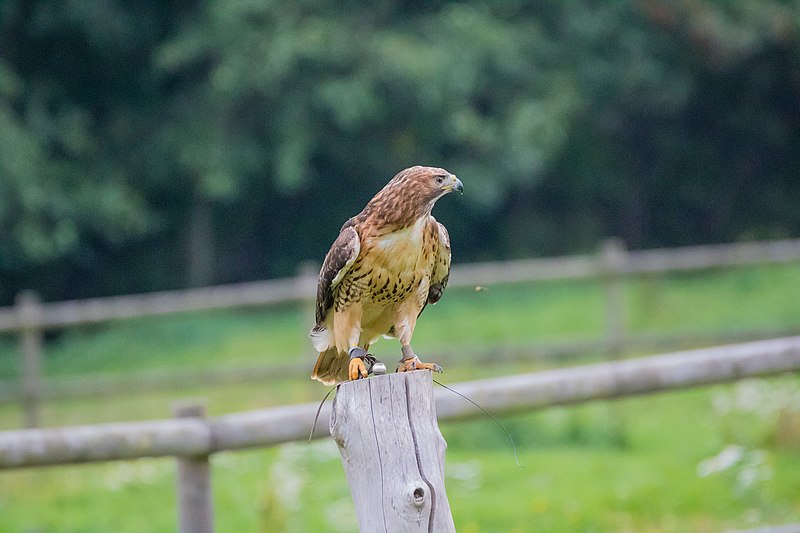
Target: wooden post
393 453
612 258
195 506
29 311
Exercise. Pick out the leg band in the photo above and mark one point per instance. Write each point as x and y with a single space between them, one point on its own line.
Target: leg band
358 351
408 353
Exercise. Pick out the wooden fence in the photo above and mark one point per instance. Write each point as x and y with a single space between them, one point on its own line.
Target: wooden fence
193 438
30 318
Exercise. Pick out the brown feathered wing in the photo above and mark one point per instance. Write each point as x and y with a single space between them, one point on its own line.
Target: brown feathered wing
338 261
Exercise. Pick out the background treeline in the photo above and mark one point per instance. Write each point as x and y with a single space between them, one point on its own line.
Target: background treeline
166 143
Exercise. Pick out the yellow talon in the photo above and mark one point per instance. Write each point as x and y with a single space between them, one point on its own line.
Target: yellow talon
433 367
413 363
357 368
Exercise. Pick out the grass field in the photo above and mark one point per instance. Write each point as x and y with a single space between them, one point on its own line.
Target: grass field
706 460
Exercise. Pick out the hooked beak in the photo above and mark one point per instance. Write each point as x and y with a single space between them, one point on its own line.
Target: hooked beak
455 185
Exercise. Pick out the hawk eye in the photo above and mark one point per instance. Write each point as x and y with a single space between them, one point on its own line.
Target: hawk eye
440 179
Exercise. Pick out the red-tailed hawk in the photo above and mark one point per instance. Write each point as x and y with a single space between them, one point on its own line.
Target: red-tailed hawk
387 264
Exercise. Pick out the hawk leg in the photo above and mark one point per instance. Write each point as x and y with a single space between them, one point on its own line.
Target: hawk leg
361 363
410 362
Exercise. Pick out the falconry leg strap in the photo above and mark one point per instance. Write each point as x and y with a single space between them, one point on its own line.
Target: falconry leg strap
363 363
408 353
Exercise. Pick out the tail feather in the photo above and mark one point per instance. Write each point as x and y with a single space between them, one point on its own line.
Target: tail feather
321 337
331 368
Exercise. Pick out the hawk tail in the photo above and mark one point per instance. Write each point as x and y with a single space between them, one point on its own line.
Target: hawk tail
330 368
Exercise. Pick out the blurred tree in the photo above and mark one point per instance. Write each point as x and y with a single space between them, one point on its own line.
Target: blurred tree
166 144
322 103
70 74
692 113
56 196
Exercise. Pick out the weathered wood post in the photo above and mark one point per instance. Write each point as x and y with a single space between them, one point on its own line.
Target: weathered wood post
393 453
612 260
29 311
195 506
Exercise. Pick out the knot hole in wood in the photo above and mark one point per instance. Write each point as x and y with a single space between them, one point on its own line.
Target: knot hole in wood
419 496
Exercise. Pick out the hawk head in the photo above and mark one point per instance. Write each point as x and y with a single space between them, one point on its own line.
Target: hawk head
411 195
424 185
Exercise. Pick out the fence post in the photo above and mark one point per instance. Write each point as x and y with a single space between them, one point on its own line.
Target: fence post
29 313
393 453
613 255
195 506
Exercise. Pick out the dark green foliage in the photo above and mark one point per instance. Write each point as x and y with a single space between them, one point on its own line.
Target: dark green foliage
162 144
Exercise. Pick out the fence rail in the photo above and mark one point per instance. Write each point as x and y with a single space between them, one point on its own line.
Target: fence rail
302 288
101 385
30 318
192 438
267 427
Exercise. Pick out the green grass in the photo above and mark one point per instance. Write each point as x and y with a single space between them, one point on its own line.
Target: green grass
630 465
708 301
624 466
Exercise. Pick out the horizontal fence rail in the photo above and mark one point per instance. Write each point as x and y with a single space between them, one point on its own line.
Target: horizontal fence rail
202 437
102 385
785 528
96 310
627 262
30 318
302 288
